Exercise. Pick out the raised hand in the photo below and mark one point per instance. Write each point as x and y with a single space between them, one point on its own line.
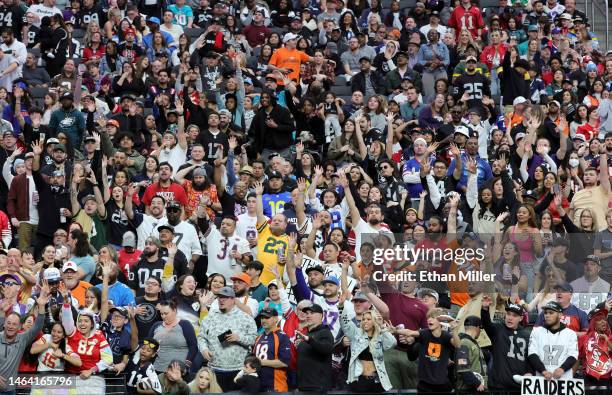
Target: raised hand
502 217
259 189
172 249
43 297
37 147
299 148
301 183
432 148
454 150
472 165
317 223
233 143
319 171
18 151
292 241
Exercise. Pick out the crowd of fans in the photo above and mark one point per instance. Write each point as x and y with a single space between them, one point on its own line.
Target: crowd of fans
194 195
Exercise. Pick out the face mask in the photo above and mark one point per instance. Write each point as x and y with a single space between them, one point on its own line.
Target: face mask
573 162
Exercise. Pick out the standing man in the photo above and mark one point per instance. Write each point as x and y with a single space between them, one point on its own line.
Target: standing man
509 342
314 353
471 365
553 348
469 17
273 349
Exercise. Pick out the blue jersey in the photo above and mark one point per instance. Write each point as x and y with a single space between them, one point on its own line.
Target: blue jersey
274 203
275 345
119 341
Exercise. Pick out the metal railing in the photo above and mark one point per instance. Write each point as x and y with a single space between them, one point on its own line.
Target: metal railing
599 6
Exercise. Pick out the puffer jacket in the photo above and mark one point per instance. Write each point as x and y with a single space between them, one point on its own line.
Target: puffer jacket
359 342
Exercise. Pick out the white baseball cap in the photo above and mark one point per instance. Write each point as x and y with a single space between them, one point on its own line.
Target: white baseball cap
290 36
52 275
519 100
70 265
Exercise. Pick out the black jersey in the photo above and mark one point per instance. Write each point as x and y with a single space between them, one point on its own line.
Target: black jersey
476 85
140 375
509 353
12 17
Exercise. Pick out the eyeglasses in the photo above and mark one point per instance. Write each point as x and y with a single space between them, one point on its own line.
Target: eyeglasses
150 344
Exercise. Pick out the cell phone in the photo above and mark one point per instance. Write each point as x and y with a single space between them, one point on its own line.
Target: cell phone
224 335
556 189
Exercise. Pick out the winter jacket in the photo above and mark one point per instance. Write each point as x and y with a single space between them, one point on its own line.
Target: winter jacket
70 122
19 198
278 138
314 357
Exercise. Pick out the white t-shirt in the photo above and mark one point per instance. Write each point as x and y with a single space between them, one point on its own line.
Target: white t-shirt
186 239
146 228
176 156
219 258
19 53
7 81
42 11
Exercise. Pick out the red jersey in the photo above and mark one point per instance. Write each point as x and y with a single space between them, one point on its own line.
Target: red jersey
490 52
127 260
172 193
470 19
91 350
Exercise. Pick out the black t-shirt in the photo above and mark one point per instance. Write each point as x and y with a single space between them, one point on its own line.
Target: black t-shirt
12 17
434 354
145 321
117 222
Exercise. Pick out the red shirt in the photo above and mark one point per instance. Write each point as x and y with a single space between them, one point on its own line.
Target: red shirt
127 260
174 192
471 19
290 327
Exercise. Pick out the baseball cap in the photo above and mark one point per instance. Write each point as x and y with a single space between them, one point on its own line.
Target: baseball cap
593 258
268 312
565 287
555 102
89 138
129 239
290 36
275 174
533 28
52 140
462 130
519 100
331 280
242 277
67 95
121 310
154 19
565 15
364 58
246 170
554 306
165 227
113 122
315 308
529 194
473 321
360 296
227 292
519 136
12 277
556 30
598 311
57 173
318 268
52 275
580 136
471 59
591 66
70 265
514 307
225 112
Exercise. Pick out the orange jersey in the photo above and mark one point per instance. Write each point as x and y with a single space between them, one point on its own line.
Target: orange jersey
289 59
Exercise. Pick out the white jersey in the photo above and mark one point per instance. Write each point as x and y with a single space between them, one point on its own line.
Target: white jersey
331 314
554 348
186 239
247 227
47 362
146 228
219 257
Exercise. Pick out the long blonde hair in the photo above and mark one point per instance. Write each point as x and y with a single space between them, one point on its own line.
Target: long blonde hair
376 323
213 387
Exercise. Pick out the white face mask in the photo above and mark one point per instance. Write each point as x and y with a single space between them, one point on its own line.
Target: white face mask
573 162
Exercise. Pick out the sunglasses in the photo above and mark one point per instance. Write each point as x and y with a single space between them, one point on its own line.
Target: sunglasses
150 344
384 167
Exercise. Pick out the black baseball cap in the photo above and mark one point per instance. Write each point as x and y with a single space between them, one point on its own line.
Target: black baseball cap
275 174
315 308
318 268
514 308
268 313
565 287
554 306
165 227
473 321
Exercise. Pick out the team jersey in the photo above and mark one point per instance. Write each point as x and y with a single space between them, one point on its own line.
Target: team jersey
13 17
338 213
119 341
143 270
554 348
267 247
475 85
127 261
246 227
509 353
291 325
219 248
47 362
181 14
91 350
274 203
141 374
186 239
470 19
271 346
331 313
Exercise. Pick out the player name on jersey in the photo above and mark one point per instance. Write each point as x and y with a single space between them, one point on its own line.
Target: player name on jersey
540 386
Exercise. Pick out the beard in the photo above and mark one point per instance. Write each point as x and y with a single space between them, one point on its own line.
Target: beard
148 253
199 186
374 221
241 293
